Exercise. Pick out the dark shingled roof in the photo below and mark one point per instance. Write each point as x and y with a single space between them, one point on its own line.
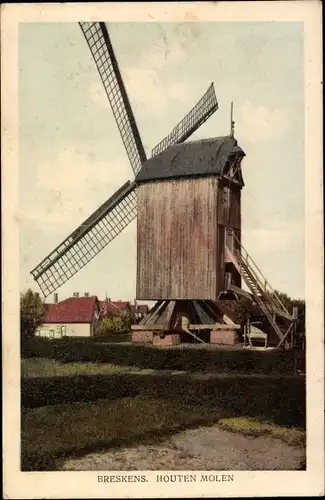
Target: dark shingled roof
194 158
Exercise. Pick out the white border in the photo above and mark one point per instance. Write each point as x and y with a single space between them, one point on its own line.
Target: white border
67 484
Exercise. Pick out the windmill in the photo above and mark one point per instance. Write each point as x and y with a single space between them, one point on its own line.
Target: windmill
187 199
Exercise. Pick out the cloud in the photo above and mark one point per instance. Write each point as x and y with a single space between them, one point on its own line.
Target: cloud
278 251
280 238
143 80
97 94
258 123
73 169
164 53
72 185
145 90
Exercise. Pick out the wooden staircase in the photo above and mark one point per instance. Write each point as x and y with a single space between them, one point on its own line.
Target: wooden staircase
262 292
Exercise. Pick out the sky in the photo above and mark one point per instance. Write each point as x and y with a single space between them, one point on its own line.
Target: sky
71 157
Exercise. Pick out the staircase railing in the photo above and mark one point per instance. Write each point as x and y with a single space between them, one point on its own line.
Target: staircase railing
259 281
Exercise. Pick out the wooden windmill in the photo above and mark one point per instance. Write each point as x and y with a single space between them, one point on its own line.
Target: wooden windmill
187 198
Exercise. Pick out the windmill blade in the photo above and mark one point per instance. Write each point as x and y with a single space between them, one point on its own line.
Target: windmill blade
87 240
102 51
206 106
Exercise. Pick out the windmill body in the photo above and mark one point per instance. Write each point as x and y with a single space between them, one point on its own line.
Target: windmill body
187 198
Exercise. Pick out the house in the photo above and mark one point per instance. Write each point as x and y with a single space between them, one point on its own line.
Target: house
109 308
143 309
139 310
72 317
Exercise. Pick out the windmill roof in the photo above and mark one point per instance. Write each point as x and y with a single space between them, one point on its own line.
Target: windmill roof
194 158
72 310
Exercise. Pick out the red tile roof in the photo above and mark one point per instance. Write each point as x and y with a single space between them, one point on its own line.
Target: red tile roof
72 310
113 307
121 305
110 308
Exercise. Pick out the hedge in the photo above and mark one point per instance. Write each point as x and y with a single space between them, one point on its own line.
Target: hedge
146 356
273 398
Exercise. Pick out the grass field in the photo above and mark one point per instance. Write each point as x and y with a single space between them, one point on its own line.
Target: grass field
254 428
44 367
52 433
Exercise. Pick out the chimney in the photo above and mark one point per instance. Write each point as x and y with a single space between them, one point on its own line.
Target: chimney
76 294
56 299
86 294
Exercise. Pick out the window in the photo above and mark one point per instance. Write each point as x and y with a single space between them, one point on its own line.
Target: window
52 334
63 330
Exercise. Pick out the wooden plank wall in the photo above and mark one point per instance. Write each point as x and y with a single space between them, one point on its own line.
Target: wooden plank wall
229 207
177 237
229 216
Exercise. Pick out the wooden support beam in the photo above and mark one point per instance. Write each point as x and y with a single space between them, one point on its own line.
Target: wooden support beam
155 307
169 317
210 310
148 327
194 316
213 326
193 335
152 318
284 314
240 291
285 336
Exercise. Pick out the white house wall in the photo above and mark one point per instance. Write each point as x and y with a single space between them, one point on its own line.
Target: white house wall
58 330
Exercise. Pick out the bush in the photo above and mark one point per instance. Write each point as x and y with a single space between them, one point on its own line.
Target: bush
119 323
143 356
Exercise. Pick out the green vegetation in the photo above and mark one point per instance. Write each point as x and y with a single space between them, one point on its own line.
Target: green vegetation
43 367
274 398
31 314
174 358
255 428
244 309
117 324
80 395
52 433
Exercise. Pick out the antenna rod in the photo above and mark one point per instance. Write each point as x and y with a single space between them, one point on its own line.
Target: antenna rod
232 123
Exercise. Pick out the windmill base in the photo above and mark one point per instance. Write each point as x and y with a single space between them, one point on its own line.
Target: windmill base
172 322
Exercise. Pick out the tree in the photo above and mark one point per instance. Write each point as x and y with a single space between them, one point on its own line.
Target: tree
290 303
31 313
119 323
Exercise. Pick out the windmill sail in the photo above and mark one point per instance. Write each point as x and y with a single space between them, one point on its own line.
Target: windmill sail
87 240
102 51
206 106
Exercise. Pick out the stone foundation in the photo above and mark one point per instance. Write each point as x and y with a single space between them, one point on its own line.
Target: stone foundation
224 337
169 339
142 337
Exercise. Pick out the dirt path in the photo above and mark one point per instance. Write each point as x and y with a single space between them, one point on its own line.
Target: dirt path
205 448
